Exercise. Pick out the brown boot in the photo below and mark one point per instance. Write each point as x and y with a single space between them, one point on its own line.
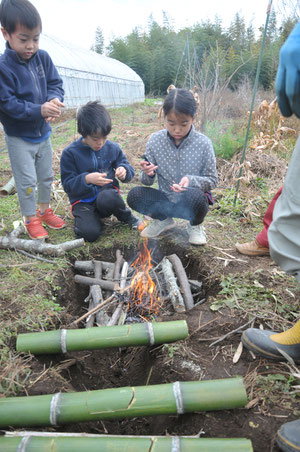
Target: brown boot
252 249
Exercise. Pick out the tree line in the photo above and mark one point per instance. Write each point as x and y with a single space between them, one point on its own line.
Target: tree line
199 54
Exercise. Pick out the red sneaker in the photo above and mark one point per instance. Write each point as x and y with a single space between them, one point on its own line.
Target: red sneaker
50 219
35 229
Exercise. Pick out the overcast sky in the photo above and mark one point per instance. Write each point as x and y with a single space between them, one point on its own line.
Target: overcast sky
76 20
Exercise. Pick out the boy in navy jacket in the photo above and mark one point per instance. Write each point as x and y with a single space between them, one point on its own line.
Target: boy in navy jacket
31 95
90 169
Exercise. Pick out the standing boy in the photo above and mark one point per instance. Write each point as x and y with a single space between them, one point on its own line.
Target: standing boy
90 168
31 96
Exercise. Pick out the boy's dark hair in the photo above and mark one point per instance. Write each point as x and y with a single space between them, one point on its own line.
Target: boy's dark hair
93 119
180 101
14 12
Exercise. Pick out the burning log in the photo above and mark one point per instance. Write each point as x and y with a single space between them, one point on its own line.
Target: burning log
173 289
14 442
104 284
171 398
12 242
183 281
63 341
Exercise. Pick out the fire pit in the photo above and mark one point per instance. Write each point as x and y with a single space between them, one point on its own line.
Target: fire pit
123 292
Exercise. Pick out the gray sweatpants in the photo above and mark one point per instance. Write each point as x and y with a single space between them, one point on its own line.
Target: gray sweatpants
31 165
284 232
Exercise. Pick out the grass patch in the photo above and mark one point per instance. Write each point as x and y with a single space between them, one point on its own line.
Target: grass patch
258 296
227 140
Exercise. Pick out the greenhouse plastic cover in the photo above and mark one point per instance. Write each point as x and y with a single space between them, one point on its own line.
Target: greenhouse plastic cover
88 75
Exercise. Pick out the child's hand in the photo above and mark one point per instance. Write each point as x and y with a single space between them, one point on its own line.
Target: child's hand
178 188
50 111
57 102
148 168
97 179
121 173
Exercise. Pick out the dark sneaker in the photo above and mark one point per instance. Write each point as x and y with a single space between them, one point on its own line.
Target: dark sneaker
261 343
288 436
134 222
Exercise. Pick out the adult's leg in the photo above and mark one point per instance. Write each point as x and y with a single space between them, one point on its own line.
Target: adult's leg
109 202
284 241
22 159
262 237
283 234
87 221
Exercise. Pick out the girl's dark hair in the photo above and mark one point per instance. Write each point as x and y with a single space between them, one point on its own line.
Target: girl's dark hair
14 12
180 101
93 119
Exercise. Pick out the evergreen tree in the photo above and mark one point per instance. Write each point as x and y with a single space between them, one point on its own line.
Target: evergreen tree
98 46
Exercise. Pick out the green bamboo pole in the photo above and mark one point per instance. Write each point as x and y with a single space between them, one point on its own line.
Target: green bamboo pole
123 444
58 341
171 398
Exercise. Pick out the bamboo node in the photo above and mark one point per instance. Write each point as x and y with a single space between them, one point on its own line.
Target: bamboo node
178 397
151 333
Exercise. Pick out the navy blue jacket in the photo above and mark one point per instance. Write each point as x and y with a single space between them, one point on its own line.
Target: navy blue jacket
78 160
24 87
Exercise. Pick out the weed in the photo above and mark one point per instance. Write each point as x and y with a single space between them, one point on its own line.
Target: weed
226 143
226 206
247 293
170 349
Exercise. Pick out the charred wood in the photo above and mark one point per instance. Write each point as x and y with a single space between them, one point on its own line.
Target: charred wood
183 281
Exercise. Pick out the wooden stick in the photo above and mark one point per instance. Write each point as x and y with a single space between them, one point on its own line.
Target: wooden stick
237 330
88 266
109 285
183 281
96 308
99 306
11 241
117 315
173 289
118 263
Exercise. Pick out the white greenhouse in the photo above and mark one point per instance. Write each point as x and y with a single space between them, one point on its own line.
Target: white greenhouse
88 75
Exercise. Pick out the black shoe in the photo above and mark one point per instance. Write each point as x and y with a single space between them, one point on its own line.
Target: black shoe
134 222
288 436
260 342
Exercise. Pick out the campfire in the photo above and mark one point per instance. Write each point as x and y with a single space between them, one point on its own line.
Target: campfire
121 292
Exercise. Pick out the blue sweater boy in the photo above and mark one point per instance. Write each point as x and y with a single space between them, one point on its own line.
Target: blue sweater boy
90 169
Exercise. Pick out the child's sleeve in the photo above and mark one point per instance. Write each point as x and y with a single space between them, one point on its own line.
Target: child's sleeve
121 160
208 177
54 83
149 155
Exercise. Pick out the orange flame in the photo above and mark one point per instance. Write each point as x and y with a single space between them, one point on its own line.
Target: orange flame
142 226
143 288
